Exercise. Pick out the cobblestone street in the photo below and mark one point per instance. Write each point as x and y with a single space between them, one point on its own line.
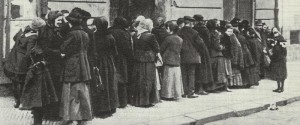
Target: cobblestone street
187 110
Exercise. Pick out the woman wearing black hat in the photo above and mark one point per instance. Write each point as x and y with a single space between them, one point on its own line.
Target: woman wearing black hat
50 40
278 60
124 57
105 98
76 104
255 47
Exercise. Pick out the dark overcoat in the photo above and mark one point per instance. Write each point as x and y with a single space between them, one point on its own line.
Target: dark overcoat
191 45
170 50
203 33
18 59
278 60
124 47
76 66
160 34
107 98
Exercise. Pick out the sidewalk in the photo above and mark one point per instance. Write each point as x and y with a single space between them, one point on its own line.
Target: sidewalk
200 110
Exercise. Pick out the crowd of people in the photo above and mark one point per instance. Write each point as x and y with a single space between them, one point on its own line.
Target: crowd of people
76 67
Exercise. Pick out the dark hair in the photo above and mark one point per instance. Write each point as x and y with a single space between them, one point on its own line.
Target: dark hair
120 22
212 24
102 26
235 21
74 18
85 15
252 31
172 26
180 21
76 9
160 21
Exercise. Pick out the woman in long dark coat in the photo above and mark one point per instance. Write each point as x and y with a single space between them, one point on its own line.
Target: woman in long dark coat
144 89
50 40
39 92
248 73
75 99
256 49
237 61
217 59
18 61
278 70
105 101
122 60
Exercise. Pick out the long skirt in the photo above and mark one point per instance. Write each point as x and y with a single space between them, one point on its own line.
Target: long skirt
172 86
219 73
105 99
278 71
236 78
75 102
250 76
144 86
122 76
228 70
52 110
38 90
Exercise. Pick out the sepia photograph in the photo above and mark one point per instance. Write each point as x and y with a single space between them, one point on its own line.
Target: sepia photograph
149 62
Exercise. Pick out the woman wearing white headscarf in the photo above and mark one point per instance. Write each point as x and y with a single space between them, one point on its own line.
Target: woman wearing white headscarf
144 90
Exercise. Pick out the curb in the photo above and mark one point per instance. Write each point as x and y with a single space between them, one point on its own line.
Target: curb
221 113
245 112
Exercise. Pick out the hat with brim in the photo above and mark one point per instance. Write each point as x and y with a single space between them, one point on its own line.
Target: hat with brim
198 17
74 17
188 18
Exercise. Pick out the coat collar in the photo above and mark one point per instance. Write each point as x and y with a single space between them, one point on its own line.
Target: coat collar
76 28
200 25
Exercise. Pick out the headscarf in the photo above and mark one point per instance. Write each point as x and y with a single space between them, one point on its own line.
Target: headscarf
144 26
37 23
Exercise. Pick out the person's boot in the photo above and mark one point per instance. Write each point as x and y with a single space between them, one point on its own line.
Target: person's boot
81 122
16 92
282 87
17 103
37 117
201 92
278 87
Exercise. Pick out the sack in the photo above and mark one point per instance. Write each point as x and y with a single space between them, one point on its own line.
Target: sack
267 61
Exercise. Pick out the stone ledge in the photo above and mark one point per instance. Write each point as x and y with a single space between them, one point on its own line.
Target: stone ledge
221 113
211 115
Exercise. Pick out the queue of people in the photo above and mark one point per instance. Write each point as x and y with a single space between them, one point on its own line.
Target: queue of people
73 67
